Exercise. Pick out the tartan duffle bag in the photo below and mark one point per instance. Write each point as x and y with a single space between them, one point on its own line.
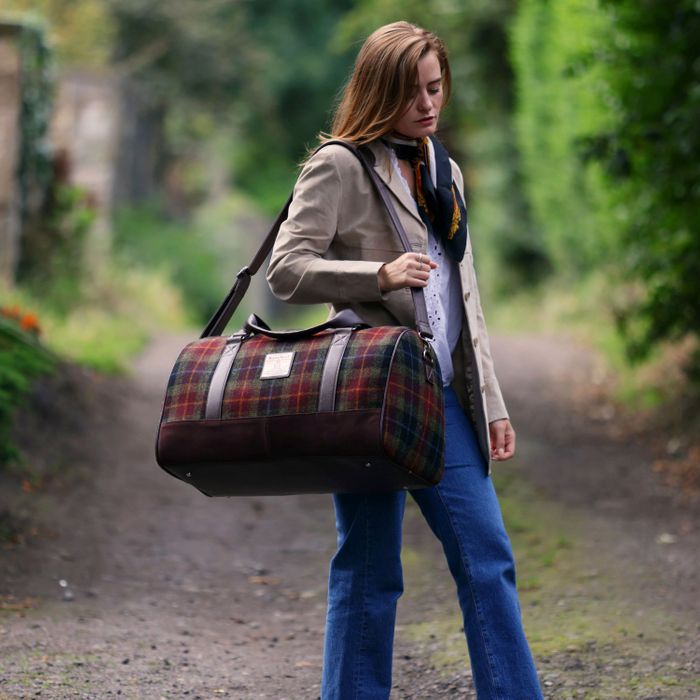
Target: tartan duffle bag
341 408
338 408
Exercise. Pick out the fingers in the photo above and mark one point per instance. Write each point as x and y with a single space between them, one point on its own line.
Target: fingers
423 261
418 269
510 443
408 270
419 274
502 440
498 441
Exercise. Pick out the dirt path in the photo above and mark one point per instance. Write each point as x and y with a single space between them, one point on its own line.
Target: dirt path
136 586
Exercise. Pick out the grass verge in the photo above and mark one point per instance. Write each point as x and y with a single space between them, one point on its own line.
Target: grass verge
585 311
120 309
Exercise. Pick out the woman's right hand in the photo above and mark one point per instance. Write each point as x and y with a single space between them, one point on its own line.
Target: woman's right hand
408 270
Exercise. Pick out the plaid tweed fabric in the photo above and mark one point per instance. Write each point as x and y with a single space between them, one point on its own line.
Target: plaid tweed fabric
365 367
186 395
414 414
382 368
248 396
361 382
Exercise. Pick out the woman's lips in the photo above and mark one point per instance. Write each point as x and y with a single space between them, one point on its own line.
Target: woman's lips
426 120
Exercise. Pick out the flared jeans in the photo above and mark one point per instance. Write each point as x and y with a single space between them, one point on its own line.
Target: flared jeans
366 579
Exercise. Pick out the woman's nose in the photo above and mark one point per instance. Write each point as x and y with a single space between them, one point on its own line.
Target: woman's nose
424 103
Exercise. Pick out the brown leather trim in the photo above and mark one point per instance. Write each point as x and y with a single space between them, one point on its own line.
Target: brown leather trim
298 475
331 368
314 453
346 433
215 397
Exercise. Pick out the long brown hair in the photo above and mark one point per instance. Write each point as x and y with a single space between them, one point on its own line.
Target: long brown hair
383 81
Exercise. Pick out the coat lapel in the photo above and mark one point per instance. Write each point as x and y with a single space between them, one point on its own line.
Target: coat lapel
383 168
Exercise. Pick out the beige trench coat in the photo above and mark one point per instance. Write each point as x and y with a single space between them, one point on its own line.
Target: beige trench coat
336 238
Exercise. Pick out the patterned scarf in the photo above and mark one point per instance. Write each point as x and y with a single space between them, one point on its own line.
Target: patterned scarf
440 204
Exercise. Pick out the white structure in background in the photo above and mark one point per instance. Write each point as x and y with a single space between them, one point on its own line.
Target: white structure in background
86 128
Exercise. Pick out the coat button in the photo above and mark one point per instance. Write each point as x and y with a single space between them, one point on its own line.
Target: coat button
475 341
467 295
483 388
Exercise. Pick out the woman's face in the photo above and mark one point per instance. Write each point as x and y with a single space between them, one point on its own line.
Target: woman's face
421 115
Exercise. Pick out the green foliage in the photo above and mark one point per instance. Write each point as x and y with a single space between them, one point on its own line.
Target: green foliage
183 50
80 31
104 341
52 257
145 239
22 359
259 71
608 98
56 218
121 305
653 68
562 101
34 173
289 84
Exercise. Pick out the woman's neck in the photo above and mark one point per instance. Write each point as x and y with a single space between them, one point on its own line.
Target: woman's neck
399 137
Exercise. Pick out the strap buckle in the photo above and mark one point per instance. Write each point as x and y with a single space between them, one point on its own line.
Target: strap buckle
244 272
428 360
238 337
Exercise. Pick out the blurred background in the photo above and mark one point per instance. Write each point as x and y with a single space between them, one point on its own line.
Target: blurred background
145 146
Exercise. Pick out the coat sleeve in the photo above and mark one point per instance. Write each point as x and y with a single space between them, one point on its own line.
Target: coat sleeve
495 406
302 269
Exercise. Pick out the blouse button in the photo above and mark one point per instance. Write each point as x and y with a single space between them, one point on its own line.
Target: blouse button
467 295
475 341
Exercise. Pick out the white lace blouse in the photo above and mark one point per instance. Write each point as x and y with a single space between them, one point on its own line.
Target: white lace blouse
442 296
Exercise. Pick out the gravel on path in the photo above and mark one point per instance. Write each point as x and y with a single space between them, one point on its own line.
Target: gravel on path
133 585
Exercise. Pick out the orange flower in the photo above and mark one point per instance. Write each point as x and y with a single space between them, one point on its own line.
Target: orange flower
30 323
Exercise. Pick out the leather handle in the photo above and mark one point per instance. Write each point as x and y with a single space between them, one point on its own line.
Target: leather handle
344 319
223 314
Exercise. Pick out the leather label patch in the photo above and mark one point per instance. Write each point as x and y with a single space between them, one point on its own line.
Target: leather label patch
277 365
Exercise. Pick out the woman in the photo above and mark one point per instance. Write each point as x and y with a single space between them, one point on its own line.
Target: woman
337 246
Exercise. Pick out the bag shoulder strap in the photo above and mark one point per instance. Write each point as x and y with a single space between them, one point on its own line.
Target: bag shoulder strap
223 314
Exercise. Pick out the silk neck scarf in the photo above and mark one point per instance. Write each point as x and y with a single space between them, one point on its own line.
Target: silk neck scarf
440 204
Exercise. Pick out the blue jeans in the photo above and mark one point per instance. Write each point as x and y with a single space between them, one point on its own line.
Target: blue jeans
366 579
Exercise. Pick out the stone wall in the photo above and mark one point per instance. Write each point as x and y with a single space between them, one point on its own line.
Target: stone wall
10 109
106 139
85 130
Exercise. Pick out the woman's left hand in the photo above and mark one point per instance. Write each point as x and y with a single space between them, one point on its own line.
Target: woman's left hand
502 440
